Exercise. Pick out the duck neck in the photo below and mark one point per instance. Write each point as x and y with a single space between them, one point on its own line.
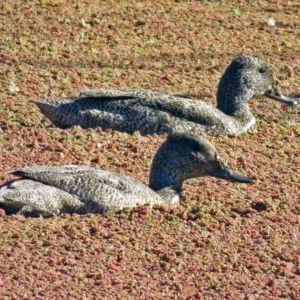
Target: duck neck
166 184
235 106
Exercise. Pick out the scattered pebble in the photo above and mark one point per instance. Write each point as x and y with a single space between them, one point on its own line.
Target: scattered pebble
291 122
271 22
13 88
84 24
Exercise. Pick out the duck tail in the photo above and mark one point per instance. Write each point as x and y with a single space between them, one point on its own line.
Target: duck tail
53 110
46 106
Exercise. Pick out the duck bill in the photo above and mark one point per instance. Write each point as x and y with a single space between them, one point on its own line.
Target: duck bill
281 98
227 174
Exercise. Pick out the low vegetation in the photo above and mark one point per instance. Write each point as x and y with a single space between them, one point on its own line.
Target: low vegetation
225 241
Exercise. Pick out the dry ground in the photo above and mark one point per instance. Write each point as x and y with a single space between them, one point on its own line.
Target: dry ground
226 241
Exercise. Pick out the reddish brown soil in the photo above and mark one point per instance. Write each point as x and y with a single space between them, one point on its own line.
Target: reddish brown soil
225 241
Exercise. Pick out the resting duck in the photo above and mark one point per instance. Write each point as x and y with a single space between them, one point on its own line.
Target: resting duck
48 191
151 112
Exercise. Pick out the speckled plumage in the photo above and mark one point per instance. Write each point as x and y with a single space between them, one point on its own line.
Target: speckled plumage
48 191
152 112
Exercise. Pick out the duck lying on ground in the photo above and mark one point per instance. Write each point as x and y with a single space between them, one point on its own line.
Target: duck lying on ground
48 191
151 112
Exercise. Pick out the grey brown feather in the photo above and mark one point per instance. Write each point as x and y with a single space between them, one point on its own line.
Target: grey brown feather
151 112
48 191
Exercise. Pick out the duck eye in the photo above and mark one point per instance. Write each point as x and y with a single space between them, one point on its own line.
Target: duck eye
262 70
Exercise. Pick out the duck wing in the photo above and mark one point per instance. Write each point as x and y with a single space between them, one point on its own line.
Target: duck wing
191 110
99 190
134 117
68 112
32 198
122 113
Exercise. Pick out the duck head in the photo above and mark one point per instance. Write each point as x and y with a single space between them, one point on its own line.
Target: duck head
185 155
245 78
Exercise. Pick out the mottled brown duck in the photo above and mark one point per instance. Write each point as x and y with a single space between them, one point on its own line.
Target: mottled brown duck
151 112
48 191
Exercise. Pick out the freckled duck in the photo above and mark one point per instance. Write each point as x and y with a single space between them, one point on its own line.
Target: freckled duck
48 191
151 112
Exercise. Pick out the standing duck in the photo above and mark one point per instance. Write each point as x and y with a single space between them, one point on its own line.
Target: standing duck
151 112
48 191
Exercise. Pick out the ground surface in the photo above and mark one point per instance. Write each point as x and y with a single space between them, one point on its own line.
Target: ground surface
225 241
